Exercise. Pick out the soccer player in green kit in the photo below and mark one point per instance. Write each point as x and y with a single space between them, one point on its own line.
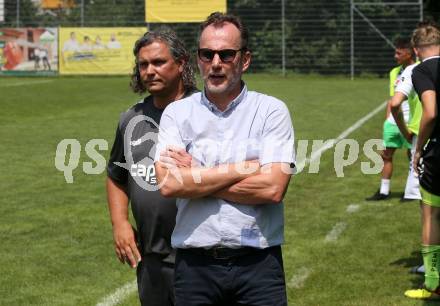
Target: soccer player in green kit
392 138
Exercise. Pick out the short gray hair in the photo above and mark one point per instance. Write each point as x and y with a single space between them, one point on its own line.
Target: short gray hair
219 18
426 34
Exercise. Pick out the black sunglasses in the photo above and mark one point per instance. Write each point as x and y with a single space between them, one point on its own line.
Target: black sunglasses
226 55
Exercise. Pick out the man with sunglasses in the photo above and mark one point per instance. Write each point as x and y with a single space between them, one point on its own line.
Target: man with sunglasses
229 225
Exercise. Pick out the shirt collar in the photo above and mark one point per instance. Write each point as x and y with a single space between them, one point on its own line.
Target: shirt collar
431 57
212 107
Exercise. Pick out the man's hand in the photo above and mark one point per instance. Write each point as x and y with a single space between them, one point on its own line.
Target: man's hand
416 161
408 136
395 103
176 157
125 243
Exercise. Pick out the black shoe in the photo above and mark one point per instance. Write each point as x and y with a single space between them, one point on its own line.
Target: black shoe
378 197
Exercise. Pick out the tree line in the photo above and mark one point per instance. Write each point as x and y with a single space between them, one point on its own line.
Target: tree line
316 32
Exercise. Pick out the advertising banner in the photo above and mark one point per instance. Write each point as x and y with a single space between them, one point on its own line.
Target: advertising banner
181 10
28 51
2 10
97 51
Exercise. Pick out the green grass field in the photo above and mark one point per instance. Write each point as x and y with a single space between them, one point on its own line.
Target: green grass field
56 238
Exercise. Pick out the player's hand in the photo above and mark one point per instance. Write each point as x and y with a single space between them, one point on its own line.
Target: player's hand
176 157
416 161
408 136
125 244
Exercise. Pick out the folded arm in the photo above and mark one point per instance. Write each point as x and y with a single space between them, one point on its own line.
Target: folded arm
124 236
197 182
269 186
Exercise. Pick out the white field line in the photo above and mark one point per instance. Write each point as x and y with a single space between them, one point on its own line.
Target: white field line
336 231
119 295
26 83
345 133
297 281
372 204
352 208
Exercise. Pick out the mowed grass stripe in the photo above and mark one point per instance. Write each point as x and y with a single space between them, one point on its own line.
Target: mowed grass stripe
26 83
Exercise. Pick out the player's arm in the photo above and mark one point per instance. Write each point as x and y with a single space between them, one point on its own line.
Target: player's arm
276 155
269 186
123 233
197 182
427 123
396 102
388 109
425 87
117 199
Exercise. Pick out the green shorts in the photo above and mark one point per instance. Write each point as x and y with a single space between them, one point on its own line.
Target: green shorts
429 198
392 138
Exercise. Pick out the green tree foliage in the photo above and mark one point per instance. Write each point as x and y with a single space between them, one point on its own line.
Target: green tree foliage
94 13
432 9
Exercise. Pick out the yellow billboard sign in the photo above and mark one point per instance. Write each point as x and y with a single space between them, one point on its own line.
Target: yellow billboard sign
57 4
97 50
181 10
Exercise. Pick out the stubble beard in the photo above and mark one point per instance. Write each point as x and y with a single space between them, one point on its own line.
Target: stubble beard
224 88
